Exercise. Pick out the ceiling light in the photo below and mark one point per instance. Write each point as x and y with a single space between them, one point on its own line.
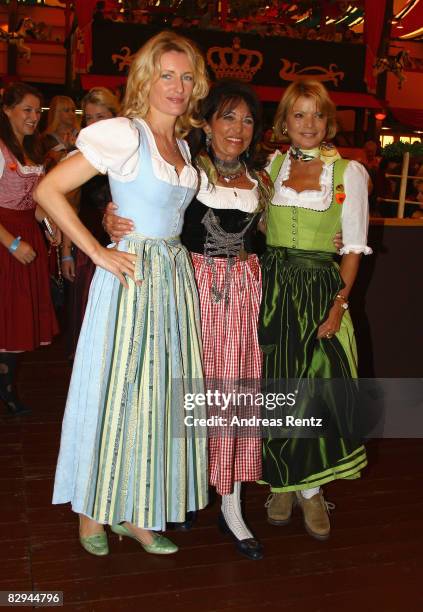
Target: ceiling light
414 34
403 12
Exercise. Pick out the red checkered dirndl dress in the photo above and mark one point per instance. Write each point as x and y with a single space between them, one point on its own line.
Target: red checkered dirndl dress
232 353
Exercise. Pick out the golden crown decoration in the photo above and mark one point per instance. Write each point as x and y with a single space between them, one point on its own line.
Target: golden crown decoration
234 62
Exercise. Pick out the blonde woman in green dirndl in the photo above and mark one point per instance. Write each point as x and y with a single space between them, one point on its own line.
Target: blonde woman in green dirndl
305 328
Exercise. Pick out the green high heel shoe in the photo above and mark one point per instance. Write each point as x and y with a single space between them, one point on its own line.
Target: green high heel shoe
95 544
160 545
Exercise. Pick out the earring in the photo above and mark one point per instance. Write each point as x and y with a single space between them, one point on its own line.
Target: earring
247 153
284 130
208 140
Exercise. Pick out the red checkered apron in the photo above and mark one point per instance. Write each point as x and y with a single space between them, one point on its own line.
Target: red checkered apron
232 353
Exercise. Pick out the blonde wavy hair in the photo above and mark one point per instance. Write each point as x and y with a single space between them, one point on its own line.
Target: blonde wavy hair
57 104
145 68
309 89
103 96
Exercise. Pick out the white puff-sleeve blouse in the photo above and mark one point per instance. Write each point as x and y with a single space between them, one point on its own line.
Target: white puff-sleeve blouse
112 147
228 198
355 210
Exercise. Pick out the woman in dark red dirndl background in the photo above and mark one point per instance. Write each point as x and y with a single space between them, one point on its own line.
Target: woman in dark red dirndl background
27 318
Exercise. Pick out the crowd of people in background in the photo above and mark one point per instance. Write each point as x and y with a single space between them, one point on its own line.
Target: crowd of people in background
260 22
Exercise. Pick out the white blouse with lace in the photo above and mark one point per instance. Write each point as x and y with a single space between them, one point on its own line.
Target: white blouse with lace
355 208
229 198
38 169
112 147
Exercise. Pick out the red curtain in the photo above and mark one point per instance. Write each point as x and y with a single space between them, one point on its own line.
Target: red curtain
82 39
373 25
84 10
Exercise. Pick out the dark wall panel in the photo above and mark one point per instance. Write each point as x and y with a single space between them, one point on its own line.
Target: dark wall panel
387 304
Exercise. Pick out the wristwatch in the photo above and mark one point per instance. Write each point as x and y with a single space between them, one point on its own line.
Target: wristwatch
341 298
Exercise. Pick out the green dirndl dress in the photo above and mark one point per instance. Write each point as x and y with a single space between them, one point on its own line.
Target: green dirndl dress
300 281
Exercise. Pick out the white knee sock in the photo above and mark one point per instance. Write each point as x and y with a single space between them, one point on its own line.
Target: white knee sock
308 493
231 510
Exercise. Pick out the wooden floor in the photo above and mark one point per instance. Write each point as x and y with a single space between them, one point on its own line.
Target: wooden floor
373 560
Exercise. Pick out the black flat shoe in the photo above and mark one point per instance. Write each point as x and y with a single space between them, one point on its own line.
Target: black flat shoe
250 547
188 523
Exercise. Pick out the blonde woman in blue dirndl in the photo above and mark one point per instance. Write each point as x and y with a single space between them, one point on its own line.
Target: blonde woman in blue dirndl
126 459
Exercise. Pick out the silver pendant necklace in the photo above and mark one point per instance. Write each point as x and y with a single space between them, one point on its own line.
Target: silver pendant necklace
228 171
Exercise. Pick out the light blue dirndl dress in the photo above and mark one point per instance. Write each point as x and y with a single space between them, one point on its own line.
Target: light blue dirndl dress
125 453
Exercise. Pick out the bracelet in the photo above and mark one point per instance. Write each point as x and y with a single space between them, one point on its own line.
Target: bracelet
67 258
14 245
341 297
341 301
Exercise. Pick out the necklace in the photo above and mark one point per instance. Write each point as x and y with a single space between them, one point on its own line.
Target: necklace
172 149
230 177
228 170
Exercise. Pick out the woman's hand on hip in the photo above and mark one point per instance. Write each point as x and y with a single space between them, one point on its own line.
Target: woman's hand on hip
117 227
116 262
337 241
25 254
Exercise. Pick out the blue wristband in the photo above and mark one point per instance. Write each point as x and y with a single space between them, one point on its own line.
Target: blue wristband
12 248
67 258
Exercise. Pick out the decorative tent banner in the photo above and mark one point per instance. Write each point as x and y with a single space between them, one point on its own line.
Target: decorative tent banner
270 61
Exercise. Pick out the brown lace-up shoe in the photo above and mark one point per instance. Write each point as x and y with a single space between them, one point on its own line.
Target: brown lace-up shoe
279 508
316 518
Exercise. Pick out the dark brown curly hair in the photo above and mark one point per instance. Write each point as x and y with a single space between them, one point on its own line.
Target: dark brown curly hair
31 146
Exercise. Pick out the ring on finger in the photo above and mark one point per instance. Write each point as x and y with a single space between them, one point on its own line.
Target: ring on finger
328 335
